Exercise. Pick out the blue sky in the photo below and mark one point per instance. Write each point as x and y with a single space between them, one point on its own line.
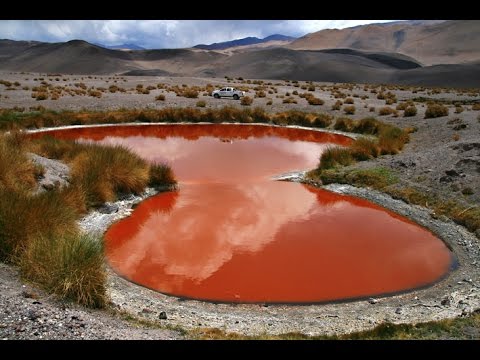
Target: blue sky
163 33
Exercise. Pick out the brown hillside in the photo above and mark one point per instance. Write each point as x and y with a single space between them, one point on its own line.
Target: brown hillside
449 42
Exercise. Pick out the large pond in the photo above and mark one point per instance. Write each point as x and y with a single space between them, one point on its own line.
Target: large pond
231 234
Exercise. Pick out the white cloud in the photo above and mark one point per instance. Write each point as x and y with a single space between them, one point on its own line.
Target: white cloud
162 33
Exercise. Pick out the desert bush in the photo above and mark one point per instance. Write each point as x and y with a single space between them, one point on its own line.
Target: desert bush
289 100
95 93
190 93
386 111
71 267
391 139
201 103
390 101
436 110
349 110
476 106
337 106
269 102
40 96
315 101
160 97
260 94
246 100
458 109
410 111
403 105
348 100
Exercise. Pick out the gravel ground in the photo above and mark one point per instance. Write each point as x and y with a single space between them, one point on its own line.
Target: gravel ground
28 313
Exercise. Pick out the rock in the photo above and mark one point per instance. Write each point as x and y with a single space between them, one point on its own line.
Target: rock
126 197
460 127
446 301
372 301
446 179
162 315
48 186
398 311
108 208
452 173
32 315
146 311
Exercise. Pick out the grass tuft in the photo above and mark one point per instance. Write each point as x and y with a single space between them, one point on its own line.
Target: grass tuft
71 267
161 175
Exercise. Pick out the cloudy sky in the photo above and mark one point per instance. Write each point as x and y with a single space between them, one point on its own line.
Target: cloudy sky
162 33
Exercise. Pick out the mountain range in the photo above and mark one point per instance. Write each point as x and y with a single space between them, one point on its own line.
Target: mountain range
246 41
418 52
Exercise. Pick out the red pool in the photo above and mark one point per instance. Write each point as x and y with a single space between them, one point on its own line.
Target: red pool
230 234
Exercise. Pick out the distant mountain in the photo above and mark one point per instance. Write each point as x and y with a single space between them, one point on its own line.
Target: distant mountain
244 42
429 41
126 47
120 47
405 22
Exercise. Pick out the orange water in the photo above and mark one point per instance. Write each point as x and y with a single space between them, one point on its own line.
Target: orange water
231 234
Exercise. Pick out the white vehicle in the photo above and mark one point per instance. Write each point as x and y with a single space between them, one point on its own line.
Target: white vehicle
228 92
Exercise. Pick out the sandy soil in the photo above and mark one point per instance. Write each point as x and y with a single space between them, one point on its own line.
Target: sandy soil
443 158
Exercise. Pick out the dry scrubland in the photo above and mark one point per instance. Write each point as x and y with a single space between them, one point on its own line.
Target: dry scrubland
420 145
